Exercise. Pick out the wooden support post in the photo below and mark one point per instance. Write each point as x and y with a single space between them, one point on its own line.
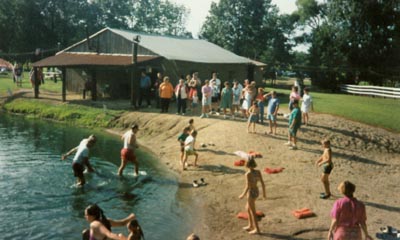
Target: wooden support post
36 83
64 84
135 44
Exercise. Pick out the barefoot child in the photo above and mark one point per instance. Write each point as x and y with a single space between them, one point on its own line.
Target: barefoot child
195 102
253 118
253 176
189 149
294 125
182 137
326 162
306 106
272 110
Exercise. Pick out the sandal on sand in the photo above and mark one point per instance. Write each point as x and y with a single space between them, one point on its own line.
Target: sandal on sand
195 184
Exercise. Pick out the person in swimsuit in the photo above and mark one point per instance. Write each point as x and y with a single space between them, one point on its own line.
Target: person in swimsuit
326 162
100 226
136 232
253 118
253 176
128 151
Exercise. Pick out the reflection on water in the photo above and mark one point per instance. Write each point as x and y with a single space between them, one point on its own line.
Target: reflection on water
38 199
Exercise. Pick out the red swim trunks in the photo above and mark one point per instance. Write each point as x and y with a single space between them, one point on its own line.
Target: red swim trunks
128 155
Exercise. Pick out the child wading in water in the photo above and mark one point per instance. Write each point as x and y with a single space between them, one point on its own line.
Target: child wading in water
326 162
253 118
135 231
253 176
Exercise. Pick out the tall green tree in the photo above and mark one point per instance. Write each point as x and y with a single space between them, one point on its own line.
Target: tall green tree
244 27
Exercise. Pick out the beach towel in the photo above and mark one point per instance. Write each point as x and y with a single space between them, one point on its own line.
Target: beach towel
245 215
273 170
240 162
303 213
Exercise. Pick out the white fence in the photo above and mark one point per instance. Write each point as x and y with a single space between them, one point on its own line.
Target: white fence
371 91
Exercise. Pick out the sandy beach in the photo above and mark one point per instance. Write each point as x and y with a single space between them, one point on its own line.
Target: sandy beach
365 155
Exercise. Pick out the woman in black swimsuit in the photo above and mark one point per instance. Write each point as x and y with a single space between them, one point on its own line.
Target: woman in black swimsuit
252 178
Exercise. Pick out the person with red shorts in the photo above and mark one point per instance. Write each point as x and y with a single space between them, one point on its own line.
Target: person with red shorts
128 151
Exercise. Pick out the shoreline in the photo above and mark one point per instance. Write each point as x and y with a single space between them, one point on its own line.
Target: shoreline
365 155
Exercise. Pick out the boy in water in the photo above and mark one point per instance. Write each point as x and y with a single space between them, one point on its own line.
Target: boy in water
81 158
326 162
128 151
189 149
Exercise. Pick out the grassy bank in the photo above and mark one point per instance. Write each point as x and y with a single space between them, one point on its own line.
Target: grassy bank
82 116
380 112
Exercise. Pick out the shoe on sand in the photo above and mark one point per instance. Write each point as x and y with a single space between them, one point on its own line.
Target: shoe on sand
287 144
195 184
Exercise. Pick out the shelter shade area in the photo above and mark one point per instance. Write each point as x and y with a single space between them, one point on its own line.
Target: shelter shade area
110 62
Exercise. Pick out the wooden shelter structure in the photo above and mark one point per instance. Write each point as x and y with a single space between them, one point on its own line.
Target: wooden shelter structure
110 60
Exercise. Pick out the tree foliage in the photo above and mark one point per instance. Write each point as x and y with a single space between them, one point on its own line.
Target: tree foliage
26 25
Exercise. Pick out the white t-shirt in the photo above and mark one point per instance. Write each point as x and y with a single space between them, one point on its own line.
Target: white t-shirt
189 142
81 153
307 100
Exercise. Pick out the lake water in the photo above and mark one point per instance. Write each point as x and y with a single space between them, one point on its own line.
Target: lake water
38 199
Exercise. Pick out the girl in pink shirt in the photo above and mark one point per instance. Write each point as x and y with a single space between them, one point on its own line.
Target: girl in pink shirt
294 95
348 216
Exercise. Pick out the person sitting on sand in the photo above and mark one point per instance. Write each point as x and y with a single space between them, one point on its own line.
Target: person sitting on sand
326 162
100 225
128 151
81 158
253 176
135 231
253 118
189 149
348 216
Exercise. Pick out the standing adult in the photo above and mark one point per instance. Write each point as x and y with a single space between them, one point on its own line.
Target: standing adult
166 91
247 100
195 78
253 176
18 73
237 91
206 91
156 85
348 216
215 80
145 87
128 151
81 158
100 225
181 94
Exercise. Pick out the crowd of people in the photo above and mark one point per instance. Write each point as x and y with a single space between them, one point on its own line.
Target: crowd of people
348 214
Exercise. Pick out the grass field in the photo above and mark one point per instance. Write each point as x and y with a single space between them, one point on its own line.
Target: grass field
380 112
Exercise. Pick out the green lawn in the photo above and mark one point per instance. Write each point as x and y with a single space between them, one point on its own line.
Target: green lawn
6 82
373 111
382 112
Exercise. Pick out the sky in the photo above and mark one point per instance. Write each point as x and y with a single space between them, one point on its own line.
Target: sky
199 10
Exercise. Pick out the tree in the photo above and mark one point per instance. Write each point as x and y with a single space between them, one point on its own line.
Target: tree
244 27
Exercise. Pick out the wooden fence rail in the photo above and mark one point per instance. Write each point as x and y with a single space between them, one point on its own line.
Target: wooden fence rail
386 92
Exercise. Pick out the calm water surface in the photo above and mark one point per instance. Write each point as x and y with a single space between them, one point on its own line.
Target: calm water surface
38 199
